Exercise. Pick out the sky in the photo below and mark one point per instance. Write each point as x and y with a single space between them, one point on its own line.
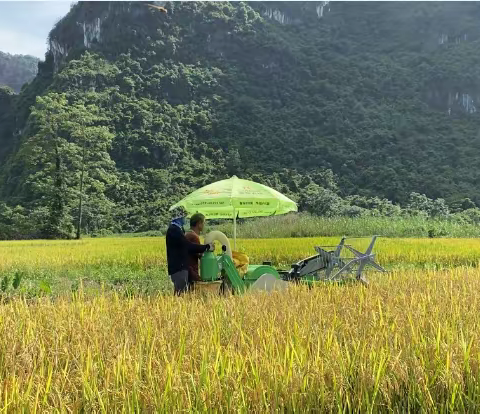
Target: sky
24 25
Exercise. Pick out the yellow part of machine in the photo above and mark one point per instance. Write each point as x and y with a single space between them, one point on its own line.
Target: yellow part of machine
241 262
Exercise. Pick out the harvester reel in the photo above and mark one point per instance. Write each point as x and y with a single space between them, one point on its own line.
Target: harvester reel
335 265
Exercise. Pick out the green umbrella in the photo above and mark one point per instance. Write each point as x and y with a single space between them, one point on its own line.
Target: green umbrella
234 198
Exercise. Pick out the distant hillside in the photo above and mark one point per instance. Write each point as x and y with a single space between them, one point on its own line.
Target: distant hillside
16 70
323 101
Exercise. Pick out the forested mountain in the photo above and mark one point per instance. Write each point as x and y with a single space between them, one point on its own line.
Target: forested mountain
16 70
320 100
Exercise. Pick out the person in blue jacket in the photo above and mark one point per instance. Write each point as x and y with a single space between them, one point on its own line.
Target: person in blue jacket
178 251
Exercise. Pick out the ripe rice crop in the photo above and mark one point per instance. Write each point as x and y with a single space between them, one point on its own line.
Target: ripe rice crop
408 342
149 252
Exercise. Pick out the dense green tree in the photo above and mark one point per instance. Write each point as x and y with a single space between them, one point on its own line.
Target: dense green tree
421 204
6 99
67 157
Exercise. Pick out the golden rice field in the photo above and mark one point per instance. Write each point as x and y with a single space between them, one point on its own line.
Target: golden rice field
149 252
410 342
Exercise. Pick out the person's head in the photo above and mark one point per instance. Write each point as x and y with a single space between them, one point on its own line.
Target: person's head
178 215
197 222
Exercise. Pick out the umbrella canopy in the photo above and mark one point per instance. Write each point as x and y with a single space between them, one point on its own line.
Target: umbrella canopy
234 198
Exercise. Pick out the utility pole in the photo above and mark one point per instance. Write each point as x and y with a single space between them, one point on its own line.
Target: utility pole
80 201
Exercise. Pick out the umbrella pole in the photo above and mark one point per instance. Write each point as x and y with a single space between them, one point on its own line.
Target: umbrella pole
234 230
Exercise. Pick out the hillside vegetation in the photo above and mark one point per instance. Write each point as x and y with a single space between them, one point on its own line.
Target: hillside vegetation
349 108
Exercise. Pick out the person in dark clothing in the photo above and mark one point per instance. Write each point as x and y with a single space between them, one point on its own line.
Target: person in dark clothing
197 222
178 251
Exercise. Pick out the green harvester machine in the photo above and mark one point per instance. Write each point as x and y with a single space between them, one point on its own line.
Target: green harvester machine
239 198
338 263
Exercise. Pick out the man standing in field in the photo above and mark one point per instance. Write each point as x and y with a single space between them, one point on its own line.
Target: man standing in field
178 251
197 222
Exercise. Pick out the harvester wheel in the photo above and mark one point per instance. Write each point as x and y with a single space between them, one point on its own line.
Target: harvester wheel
225 288
363 280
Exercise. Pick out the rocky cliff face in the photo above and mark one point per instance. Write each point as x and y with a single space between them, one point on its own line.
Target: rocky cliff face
16 70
